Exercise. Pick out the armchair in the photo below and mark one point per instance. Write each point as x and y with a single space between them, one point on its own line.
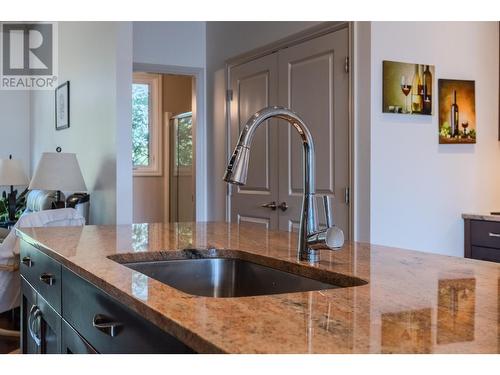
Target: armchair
10 288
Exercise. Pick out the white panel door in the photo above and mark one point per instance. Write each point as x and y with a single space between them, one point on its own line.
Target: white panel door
254 86
313 83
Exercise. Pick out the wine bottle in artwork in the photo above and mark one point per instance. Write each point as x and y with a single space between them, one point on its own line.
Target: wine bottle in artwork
427 98
454 124
416 86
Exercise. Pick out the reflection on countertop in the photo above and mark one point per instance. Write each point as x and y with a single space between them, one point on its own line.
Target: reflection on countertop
414 302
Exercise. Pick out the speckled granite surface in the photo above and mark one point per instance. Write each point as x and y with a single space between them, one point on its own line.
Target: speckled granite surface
485 216
413 302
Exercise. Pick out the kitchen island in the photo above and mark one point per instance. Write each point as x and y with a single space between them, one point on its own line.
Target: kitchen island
409 302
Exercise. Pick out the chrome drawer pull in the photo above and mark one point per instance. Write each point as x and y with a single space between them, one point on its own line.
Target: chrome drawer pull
27 262
106 326
47 278
497 235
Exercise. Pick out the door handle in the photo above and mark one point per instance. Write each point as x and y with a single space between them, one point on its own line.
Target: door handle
270 205
34 317
493 234
47 278
283 206
105 325
27 261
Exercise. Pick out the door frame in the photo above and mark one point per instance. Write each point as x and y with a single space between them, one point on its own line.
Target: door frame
199 136
294 39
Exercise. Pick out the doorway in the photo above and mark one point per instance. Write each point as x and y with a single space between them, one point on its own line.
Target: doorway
163 147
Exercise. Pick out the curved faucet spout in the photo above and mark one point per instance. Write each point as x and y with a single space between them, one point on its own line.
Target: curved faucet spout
237 169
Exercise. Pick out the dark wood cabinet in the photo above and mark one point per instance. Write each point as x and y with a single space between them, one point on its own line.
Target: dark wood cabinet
40 324
64 313
73 343
482 239
29 344
43 273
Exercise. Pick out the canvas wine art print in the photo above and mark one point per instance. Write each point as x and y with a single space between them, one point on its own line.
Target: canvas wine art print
407 88
457 111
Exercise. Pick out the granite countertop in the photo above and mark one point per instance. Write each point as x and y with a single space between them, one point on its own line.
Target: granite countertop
485 216
413 302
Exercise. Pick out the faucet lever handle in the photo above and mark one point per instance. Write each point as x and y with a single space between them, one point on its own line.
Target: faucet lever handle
330 238
334 237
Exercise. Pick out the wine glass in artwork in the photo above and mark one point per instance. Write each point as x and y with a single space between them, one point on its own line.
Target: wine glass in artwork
465 125
406 88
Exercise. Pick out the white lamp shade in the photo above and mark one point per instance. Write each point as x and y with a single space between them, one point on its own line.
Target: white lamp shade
12 173
58 171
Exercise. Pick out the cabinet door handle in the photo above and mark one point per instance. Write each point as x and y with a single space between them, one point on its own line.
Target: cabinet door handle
27 262
47 278
491 234
106 325
33 318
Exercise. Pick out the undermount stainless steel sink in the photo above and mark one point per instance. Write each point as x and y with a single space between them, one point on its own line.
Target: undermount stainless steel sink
230 277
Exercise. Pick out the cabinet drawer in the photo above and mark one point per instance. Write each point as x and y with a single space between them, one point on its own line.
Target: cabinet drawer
485 233
43 273
109 326
485 253
73 343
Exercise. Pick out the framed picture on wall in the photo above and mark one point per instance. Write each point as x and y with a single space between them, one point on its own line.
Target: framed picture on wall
457 111
62 106
407 88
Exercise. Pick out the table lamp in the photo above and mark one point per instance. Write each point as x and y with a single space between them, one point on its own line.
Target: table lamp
58 171
12 174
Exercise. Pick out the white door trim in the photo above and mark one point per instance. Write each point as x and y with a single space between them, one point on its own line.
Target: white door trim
200 167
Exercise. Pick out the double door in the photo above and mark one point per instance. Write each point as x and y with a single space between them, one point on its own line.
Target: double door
312 79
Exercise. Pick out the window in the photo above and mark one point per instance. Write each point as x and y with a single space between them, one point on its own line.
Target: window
183 144
146 127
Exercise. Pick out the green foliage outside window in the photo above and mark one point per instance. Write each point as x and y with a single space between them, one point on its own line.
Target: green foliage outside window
140 124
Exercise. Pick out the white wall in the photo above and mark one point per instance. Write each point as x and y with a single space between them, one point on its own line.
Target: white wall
419 189
362 84
123 110
96 58
226 40
15 126
169 43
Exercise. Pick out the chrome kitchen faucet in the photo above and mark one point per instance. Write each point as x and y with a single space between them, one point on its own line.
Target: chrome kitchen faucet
311 239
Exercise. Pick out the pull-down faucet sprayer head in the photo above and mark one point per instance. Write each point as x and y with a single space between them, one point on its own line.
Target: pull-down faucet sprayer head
237 169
